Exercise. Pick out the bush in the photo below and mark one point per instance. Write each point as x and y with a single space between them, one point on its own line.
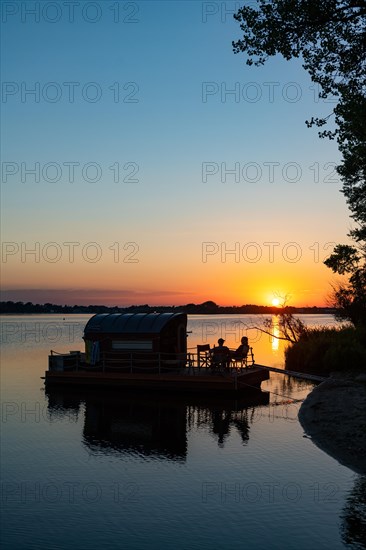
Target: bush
322 351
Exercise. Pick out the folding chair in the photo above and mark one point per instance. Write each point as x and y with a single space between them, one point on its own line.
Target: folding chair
203 355
244 361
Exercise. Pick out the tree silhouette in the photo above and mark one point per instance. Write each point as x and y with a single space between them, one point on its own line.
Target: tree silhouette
329 37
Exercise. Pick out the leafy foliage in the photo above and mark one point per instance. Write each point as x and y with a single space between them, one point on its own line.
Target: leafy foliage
344 259
350 299
329 36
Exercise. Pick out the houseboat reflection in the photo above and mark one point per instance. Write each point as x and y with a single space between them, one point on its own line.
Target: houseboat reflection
152 425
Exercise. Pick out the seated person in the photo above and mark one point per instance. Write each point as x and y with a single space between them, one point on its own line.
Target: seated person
242 350
220 355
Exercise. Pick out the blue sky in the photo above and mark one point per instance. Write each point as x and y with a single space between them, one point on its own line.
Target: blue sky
165 129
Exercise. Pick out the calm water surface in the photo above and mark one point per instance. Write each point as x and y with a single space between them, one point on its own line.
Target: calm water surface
91 470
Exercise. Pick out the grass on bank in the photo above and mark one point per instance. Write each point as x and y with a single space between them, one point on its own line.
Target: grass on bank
323 350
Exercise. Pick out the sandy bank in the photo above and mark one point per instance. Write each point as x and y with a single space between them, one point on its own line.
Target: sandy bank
334 416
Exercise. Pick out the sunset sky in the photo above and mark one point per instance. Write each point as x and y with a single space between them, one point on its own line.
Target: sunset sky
151 165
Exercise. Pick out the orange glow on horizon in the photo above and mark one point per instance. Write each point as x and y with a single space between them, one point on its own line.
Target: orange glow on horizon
163 283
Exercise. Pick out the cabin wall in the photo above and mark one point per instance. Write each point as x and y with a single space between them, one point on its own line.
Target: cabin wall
171 340
118 346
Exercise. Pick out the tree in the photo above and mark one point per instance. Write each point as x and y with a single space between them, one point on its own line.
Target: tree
350 298
290 328
329 36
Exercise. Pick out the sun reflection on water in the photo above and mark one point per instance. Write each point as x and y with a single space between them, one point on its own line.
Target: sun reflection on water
275 343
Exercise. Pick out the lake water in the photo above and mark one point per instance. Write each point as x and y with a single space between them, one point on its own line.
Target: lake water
122 471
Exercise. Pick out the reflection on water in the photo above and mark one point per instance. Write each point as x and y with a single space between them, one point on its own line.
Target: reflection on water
152 425
149 428
354 516
103 470
275 343
143 426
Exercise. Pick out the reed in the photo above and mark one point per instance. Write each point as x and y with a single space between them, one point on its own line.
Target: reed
326 350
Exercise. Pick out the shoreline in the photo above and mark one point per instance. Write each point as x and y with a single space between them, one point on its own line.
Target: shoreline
333 416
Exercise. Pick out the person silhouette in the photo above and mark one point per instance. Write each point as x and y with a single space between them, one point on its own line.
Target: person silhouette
243 349
221 355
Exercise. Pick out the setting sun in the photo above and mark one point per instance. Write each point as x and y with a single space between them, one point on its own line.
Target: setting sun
275 302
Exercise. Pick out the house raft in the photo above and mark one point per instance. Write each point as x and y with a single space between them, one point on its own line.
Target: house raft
148 351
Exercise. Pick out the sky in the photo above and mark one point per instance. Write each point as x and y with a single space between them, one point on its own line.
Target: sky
144 162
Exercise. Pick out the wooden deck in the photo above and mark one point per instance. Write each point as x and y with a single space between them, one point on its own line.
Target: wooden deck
187 380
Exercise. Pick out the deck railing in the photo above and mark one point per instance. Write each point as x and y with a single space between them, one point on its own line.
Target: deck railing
140 361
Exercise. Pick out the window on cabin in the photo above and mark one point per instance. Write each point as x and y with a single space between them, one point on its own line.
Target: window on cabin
145 345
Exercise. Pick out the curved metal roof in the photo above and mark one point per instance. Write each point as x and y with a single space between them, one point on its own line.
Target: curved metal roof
130 322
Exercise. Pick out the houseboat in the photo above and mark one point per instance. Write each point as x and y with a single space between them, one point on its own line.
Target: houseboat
148 351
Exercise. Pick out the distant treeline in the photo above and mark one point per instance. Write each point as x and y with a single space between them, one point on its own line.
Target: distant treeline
205 308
